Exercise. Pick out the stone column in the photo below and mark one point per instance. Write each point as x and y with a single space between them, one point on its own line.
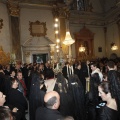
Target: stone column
52 51
14 11
105 36
118 24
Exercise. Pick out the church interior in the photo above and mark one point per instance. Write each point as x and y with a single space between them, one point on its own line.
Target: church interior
68 46
28 29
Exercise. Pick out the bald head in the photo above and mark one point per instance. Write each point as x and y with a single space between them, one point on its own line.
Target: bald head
52 100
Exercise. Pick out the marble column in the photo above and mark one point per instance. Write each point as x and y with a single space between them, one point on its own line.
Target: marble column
14 11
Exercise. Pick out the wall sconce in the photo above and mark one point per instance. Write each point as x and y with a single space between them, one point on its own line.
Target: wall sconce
81 49
114 46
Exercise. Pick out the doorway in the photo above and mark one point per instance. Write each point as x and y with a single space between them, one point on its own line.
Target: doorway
40 58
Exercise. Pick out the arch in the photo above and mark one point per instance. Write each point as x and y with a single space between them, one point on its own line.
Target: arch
85 38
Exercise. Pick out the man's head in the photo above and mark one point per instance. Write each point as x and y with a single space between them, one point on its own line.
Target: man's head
110 65
93 66
19 75
17 66
2 99
5 114
52 100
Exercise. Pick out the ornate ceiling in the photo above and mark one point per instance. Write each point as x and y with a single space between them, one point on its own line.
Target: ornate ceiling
105 5
98 12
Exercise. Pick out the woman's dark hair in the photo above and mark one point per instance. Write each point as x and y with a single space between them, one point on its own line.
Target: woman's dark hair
49 74
61 80
110 64
5 113
95 80
12 71
93 93
74 79
13 81
78 65
105 85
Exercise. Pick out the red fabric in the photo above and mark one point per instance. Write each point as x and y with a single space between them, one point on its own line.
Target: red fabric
24 86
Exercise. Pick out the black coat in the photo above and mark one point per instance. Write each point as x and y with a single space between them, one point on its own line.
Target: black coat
36 98
81 75
2 82
66 102
106 113
47 114
64 71
16 99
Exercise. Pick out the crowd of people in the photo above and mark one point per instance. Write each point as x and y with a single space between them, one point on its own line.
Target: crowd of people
61 96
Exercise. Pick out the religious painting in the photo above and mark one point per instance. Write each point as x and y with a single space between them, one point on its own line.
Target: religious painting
40 58
37 29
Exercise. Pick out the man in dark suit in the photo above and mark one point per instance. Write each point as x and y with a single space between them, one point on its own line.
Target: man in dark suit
66 70
49 112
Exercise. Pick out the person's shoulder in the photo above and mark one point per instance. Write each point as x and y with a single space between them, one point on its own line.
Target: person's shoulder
40 109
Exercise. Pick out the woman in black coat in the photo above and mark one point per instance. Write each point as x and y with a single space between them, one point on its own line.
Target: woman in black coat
17 99
110 111
37 92
76 87
81 75
66 98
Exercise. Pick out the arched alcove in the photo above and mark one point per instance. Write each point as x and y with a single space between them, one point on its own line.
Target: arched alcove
85 38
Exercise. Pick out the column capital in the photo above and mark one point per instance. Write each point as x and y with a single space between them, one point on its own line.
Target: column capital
13 8
61 12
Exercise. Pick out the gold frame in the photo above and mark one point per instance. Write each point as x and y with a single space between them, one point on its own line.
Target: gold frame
1 23
37 28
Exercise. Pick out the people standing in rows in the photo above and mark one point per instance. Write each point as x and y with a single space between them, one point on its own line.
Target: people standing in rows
110 110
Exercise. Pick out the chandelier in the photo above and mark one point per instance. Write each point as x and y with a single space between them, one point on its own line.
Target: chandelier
81 49
68 39
114 47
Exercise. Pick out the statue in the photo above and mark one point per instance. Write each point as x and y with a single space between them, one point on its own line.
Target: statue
80 5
